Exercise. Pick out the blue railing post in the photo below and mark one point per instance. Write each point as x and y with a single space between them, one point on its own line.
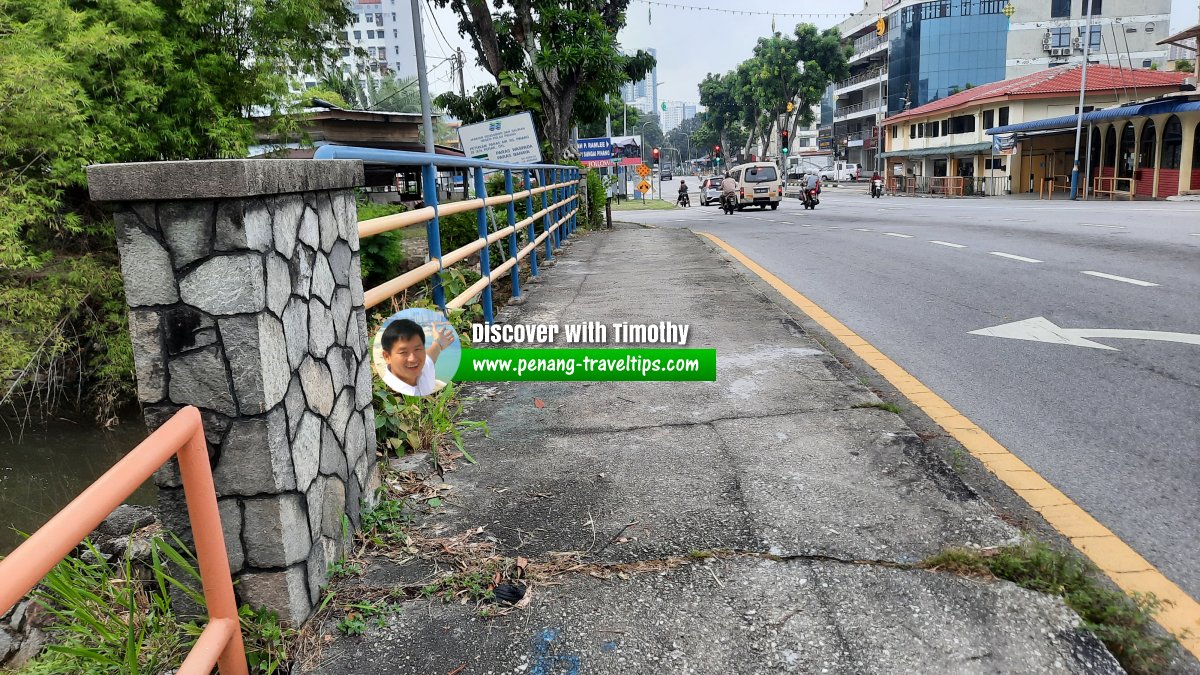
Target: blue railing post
433 235
567 208
542 173
533 254
559 210
575 193
515 273
485 263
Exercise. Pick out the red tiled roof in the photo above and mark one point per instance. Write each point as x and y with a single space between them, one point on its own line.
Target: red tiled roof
1058 80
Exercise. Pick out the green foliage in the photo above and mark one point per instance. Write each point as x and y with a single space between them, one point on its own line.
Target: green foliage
1125 624
477 585
386 523
560 58
1185 66
105 618
343 569
382 256
597 195
410 424
118 81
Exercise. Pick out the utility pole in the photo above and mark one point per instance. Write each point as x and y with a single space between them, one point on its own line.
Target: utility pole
1087 42
462 87
423 80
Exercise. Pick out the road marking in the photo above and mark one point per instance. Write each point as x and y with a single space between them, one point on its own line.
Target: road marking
1113 227
946 243
1196 234
862 229
1180 613
1114 277
1015 257
1041 329
896 234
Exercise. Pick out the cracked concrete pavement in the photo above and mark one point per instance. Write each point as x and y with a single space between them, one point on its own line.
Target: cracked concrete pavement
772 459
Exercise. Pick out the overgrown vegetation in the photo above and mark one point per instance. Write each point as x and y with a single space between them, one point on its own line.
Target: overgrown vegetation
1125 624
113 617
119 81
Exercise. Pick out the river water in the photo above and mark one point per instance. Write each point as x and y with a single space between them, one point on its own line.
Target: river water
48 464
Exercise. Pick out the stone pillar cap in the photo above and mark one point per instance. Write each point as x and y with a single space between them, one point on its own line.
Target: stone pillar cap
219 178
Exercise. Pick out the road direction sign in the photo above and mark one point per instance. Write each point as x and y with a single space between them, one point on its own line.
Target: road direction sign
1041 329
643 187
643 170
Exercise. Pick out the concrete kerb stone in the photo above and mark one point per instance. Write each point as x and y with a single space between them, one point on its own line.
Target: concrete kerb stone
218 178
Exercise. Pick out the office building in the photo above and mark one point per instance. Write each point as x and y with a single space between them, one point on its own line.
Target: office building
676 113
932 49
383 30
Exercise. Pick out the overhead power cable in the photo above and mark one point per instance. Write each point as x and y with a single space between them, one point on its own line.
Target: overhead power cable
747 12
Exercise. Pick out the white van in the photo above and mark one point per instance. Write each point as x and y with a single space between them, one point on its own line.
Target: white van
841 171
759 184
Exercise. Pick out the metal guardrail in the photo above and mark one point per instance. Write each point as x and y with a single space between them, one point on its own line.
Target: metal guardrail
867 43
220 643
857 107
861 77
558 186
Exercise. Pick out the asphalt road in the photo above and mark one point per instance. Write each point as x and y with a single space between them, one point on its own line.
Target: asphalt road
1117 431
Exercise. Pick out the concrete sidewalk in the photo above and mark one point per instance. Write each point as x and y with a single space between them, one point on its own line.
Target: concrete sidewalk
811 506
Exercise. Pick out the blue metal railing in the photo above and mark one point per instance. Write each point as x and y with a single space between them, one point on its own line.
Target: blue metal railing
557 184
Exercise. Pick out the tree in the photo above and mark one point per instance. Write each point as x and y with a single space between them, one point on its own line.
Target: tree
567 54
723 115
118 81
1185 66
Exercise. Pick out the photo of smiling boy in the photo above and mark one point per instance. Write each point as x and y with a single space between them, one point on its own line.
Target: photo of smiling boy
410 365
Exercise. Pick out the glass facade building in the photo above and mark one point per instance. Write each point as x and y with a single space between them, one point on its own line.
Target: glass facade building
938 48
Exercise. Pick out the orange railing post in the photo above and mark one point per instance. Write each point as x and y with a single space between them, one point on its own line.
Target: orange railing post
182 435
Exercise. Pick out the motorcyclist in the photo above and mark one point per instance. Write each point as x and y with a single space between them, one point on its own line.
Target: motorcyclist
876 182
683 199
811 185
728 187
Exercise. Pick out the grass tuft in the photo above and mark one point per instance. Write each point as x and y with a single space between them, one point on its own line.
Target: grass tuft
890 407
1125 624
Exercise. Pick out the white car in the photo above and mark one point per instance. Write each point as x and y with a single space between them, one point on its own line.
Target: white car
710 190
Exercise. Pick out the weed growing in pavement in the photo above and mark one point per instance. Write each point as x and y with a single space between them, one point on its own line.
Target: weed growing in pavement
387 522
344 569
1125 624
476 585
112 617
433 424
890 407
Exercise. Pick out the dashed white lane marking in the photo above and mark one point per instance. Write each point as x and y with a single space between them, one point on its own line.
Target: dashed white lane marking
1111 227
1102 275
862 229
897 234
1015 257
1196 234
946 243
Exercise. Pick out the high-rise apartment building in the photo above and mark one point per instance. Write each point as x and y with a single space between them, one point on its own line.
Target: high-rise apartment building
930 49
383 29
643 95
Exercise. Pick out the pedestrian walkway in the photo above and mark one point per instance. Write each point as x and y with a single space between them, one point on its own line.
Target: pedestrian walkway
763 523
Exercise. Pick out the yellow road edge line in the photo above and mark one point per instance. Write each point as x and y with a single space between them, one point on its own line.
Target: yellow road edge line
1180 613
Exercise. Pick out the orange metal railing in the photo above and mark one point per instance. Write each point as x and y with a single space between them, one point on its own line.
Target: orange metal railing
183 435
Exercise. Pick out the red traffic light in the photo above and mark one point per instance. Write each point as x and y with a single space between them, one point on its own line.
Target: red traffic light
716 148
656 153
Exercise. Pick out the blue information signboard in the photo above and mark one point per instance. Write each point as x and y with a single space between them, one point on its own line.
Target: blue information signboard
596 151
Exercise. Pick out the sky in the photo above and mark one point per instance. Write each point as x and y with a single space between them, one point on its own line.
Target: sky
690 43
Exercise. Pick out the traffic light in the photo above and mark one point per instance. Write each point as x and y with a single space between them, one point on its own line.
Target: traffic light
716 154
654 153
784 138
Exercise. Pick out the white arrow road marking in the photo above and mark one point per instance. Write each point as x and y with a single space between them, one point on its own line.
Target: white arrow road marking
1041 329
1015 257
897 234
1114 277
946 243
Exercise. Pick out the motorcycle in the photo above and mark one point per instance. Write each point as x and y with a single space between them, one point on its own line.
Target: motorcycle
729 204
876 187
683 200
810 199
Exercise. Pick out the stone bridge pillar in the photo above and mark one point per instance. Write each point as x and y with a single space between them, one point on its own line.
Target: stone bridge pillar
245 300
